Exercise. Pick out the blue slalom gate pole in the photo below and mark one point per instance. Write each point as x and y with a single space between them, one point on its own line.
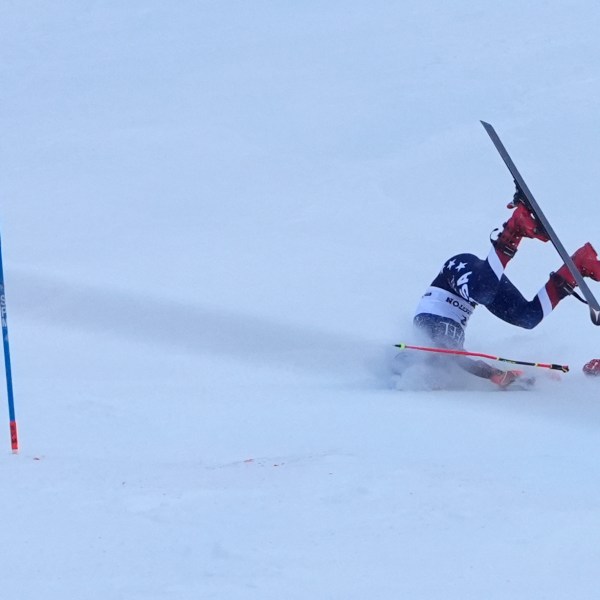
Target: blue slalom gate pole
14 439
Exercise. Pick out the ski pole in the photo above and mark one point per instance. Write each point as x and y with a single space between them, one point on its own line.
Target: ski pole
563 368
14 441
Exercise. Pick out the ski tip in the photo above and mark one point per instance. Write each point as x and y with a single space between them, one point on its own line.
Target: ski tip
595 316
486 125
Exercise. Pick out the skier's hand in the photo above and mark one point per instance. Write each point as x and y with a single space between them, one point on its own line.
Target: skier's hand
505 378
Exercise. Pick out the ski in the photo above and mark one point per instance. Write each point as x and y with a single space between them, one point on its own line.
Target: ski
532 204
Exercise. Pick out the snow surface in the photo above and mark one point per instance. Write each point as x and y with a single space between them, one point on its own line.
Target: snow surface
217 219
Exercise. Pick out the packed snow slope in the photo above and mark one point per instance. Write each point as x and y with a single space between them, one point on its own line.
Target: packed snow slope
217 219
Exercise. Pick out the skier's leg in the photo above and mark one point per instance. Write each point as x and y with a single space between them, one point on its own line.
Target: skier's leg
510 305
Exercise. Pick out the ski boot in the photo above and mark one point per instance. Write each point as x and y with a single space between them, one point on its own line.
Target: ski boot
522 223
587 263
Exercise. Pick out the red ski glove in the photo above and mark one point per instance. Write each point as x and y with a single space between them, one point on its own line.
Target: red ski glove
505 378
592 367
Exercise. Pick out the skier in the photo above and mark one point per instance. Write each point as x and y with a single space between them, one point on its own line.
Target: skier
466 281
